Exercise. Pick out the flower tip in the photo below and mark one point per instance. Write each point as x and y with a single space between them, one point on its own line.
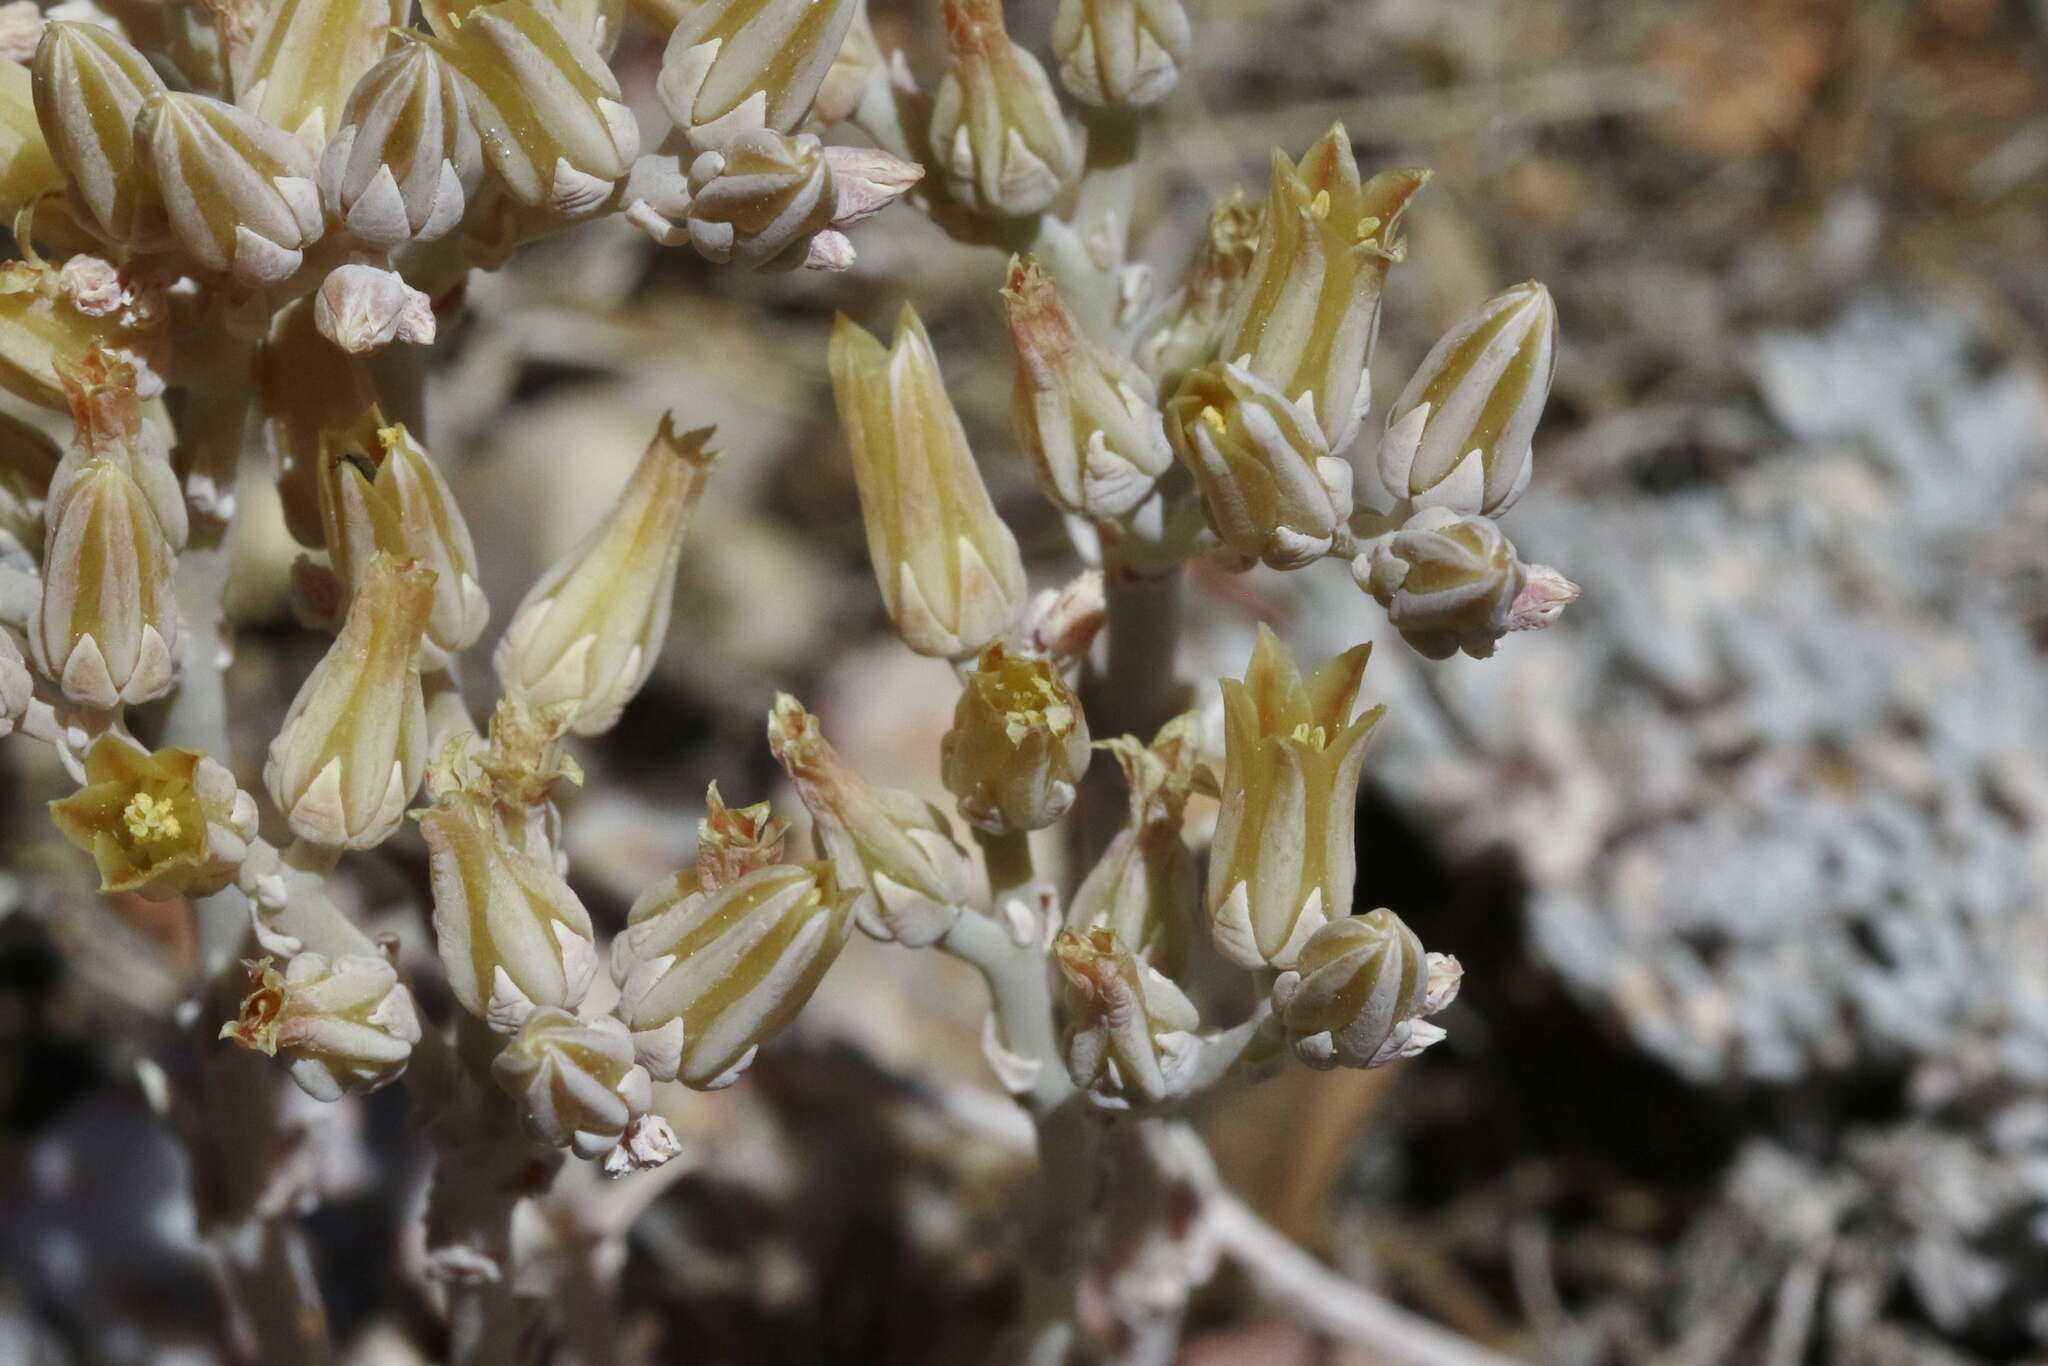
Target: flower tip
692 447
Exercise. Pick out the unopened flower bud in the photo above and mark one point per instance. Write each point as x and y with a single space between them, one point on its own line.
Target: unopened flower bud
1131 1037
1458 437
1143 887
380 492
1189 330
17 687
164 824
707 976
1308 311
734 841
1360 991
347 1025
89 85
737 66
511 934
1018 744
575 1081
105 629
591 629
760 199
1270 487
947 566
362 308
998 134
354 743
1448 582
304 58
1283 861
52 316
546 105
1085 414
406 159
1121 53
890 844
239 193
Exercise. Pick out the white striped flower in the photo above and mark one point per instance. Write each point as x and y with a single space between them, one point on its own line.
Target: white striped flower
707 976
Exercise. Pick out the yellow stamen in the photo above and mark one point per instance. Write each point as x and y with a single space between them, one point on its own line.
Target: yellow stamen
1213 418
149 818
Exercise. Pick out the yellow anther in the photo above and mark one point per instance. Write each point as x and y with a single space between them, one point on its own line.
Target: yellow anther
149 818
1320 205
1312 736
1214 418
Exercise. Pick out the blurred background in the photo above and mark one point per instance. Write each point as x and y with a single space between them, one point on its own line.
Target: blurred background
1745 859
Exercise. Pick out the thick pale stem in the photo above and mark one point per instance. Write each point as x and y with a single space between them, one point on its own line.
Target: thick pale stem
1010 870
1020 989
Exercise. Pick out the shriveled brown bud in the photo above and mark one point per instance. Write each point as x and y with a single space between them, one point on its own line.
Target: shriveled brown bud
1144 888
1131 1036
734 841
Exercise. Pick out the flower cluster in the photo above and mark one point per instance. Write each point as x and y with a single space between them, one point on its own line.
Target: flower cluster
303 188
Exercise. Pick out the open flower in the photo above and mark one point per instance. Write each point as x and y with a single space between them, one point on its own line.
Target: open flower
346 1025
890 844
354 744
1309 309
163 824
1283 861
947 565
707 976
1018 745
1270 487
1360 991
